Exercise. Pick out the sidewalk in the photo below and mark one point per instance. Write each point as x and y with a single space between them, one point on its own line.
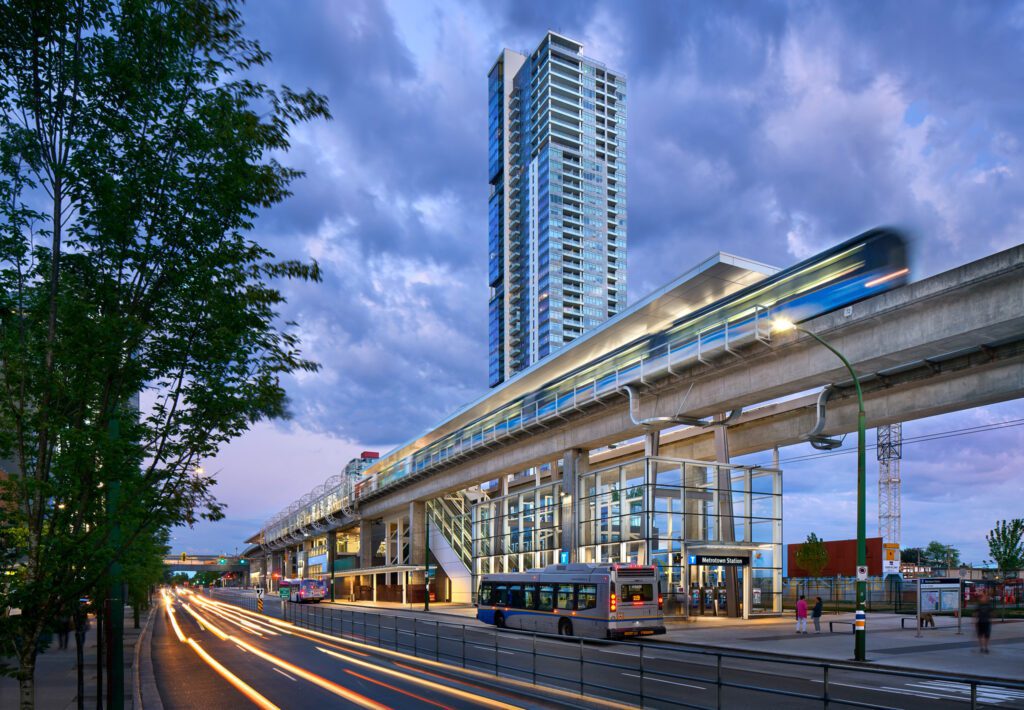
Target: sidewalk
939 650
57 676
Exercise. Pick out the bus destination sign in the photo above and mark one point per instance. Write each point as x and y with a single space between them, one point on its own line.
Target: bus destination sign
724 560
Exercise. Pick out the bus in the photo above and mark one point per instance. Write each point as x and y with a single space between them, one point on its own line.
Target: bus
304 590
608 601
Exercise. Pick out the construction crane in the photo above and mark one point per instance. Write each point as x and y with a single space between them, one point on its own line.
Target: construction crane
890 451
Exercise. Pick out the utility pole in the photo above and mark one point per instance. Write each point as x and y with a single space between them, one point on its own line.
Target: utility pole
426 560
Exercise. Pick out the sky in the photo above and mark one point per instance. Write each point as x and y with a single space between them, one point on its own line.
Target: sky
769 130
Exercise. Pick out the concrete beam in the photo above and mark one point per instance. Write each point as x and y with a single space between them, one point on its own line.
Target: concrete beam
974 305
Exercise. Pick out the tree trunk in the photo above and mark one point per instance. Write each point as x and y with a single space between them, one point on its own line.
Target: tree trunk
27 682
80 628
100 656
135 614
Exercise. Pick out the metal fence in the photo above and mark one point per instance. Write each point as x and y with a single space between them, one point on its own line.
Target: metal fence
652 675
840 594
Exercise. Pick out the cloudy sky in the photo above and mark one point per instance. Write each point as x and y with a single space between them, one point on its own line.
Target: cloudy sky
769 130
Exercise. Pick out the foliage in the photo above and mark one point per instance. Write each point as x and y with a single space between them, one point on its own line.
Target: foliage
913 555
940 555
139 327
812 555
1006 544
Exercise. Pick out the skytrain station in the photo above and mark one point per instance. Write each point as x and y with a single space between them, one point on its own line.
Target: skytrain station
615 449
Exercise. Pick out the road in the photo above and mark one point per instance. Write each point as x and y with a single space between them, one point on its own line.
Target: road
207 653
653 674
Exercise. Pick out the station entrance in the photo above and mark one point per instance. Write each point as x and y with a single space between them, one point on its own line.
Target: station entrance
718 585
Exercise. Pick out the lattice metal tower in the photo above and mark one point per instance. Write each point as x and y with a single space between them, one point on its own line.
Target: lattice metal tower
890 451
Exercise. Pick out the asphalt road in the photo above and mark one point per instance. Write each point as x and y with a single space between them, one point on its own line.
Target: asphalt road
210 654
655 675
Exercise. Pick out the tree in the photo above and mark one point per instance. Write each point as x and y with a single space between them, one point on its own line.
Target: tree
940 555
135 152
1006 544
913 555
812 555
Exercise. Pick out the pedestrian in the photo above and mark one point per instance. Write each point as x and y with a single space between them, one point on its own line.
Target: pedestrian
984 621
63 629
816 614
801 615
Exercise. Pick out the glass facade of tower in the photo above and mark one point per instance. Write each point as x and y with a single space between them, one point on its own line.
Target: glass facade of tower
557 210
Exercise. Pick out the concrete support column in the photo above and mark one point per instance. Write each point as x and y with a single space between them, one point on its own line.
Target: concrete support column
417 533
332 545
572 461
726 523
652 441
365 543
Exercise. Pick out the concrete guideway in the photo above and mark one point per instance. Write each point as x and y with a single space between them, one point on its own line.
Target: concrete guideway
977 307
761 653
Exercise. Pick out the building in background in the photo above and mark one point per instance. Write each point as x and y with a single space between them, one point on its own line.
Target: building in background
842 558
557 205
355 467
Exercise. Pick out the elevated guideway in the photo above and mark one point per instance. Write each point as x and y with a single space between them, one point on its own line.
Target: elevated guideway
950 342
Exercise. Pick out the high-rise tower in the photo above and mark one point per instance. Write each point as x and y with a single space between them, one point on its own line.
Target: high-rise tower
557 208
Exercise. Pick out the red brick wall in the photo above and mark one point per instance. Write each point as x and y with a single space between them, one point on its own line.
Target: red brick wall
842 558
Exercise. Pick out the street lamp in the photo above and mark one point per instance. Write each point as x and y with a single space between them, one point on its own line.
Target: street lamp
782 325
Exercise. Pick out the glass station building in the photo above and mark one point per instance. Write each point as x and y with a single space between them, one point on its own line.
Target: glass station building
699 522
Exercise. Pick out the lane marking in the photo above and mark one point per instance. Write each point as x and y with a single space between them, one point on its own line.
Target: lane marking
281 672
670 682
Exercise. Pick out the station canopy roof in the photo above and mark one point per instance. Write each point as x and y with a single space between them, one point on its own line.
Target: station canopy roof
709 281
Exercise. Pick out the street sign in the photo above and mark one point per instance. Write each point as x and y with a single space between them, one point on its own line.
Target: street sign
862 573
259 592
285 592
720 560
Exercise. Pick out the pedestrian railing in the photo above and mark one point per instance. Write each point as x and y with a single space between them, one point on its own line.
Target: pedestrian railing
655 675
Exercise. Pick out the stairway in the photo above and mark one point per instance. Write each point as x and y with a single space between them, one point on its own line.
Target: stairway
451 542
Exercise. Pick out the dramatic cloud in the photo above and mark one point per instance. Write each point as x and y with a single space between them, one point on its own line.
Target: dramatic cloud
765 130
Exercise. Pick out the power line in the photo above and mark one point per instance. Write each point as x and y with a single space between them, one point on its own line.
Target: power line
934 436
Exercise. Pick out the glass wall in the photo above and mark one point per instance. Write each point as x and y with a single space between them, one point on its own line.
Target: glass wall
661 511
519 531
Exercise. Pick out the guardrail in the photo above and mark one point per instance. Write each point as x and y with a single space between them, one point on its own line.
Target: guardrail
583 666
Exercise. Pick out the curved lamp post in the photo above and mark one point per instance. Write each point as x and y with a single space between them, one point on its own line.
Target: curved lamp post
781 325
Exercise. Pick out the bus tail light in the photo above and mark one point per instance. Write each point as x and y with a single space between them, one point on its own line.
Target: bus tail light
661 602
613 603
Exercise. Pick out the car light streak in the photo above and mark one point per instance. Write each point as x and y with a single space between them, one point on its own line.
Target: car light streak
488 702
397 690
313 678
242 623
213 628
333 641
244 688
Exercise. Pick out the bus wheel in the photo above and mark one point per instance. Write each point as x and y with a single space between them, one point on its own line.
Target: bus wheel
499 620
565 627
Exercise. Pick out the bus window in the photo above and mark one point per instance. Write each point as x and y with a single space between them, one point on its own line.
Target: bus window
633 592
500 596
529 596
565 596
515 596
545 597
486 596
586 596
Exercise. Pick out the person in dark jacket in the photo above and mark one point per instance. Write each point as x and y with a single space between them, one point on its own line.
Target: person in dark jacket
984 621
816 614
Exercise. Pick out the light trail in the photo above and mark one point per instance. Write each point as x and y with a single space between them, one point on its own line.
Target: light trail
330 686
333 641
487 702
381 683
240 685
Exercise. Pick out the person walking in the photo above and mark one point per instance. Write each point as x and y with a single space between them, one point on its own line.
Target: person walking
63 629
984 621
801 615
816 614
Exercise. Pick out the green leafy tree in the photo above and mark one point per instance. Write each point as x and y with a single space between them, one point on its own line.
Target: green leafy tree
913 555
940 555
1006 545
812 555
135 153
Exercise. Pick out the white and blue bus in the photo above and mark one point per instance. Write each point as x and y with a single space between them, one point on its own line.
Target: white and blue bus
594 600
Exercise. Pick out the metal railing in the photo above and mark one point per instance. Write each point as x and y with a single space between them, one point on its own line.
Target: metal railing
454 524
652 674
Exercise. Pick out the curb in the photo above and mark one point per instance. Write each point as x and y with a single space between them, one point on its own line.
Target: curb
144 677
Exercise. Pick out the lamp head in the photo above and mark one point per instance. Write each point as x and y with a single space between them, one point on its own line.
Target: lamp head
782 325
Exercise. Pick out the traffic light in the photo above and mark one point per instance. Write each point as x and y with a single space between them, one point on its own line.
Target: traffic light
183 556
222 561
